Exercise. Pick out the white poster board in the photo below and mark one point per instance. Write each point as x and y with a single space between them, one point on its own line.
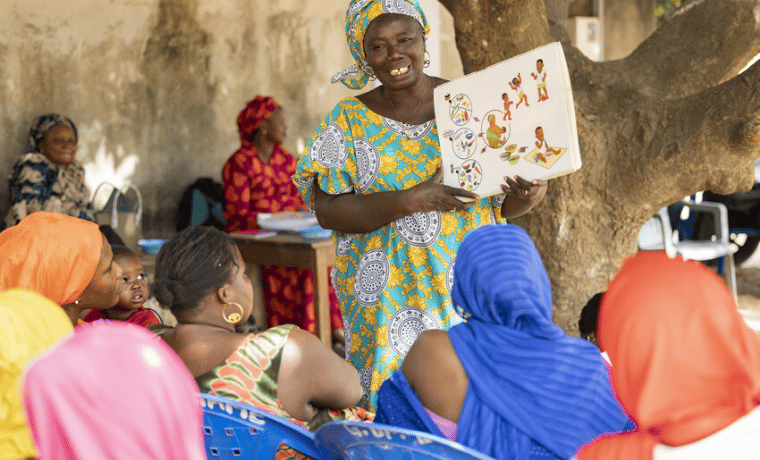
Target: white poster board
513 118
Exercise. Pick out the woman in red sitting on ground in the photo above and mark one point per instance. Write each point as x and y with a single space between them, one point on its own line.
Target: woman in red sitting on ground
258 178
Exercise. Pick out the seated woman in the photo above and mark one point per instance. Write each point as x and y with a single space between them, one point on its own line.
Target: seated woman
507 382
29 325
113 391
685 365
49 178
200 276
258 179
66 259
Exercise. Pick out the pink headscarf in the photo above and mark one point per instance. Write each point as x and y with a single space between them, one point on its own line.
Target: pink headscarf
113 390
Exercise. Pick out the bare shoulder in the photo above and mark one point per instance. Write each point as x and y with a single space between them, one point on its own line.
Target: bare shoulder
302 339
437 81
372 98
434 371
430 346
202 352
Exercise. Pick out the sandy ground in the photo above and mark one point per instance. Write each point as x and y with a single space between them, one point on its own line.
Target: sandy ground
748 290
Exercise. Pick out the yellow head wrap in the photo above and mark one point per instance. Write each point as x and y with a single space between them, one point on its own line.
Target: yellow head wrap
29 324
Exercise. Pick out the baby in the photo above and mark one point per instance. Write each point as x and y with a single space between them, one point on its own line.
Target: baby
130 308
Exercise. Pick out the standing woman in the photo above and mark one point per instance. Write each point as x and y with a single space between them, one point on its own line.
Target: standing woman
49 178
373 174
258 178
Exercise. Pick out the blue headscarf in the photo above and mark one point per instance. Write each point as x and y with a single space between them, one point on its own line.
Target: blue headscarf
43 124
359 15
529 381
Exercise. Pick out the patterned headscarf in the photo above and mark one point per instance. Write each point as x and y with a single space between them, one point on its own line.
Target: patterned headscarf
43 124
113 390
528 379
53 254
358 17
253 115
684 363
29 325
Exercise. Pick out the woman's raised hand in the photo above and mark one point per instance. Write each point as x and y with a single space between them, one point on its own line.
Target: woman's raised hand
431 195
522 195
527 191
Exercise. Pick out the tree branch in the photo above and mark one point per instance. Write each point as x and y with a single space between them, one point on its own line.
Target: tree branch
490 31
706 42
705 141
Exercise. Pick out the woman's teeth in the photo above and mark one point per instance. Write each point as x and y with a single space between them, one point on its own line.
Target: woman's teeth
401 71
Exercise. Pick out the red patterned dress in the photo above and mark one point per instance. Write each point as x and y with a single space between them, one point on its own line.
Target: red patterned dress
250 187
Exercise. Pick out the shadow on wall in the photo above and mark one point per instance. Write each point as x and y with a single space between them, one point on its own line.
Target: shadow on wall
179 98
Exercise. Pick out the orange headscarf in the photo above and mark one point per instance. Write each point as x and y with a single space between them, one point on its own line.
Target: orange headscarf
52 254
684 363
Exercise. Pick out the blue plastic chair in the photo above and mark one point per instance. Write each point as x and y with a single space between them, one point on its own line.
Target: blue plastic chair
234 430
356 440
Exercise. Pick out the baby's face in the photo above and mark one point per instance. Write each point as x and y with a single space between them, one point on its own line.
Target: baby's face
135 291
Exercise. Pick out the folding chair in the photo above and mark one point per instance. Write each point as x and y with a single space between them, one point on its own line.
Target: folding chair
657 234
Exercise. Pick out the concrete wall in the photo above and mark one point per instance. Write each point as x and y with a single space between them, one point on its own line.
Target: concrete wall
155 86
627 23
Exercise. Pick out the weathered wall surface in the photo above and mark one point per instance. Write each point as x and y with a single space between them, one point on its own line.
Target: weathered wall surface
155 86
626 24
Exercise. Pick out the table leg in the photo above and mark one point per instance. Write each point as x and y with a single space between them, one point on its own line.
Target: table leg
322 300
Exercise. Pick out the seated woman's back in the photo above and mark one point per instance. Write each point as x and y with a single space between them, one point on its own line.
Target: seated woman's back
201 276
528 389
434 371
685 365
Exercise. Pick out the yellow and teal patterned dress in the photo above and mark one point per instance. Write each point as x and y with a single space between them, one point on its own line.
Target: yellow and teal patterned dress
394 282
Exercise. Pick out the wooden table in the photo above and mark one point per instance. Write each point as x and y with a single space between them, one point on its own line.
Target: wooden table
291 250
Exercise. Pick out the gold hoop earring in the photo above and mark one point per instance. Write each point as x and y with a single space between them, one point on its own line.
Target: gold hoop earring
232 318
426 62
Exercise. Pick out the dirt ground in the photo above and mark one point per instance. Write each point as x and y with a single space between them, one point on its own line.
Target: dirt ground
748 287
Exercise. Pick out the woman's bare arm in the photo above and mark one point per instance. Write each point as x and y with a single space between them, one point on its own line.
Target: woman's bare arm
313 376
351 213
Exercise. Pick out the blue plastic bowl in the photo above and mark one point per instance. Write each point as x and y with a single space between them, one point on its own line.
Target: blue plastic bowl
151 246
315 232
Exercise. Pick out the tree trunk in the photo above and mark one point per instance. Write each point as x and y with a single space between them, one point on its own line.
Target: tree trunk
669 120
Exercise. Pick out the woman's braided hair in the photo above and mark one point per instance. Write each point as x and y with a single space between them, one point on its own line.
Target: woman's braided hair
192 264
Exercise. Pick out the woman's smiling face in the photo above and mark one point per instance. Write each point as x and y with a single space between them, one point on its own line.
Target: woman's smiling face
394 46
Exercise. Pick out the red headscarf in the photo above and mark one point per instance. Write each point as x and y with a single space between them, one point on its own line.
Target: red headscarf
52 254
254 113
684 363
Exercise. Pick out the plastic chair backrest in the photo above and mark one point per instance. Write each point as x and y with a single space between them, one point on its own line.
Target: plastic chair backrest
234 430
356 440
717 247
653 234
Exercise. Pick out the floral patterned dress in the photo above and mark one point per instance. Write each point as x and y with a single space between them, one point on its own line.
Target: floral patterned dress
38 185
252 186
393 282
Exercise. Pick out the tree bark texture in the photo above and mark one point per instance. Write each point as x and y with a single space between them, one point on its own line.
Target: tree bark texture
672 118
